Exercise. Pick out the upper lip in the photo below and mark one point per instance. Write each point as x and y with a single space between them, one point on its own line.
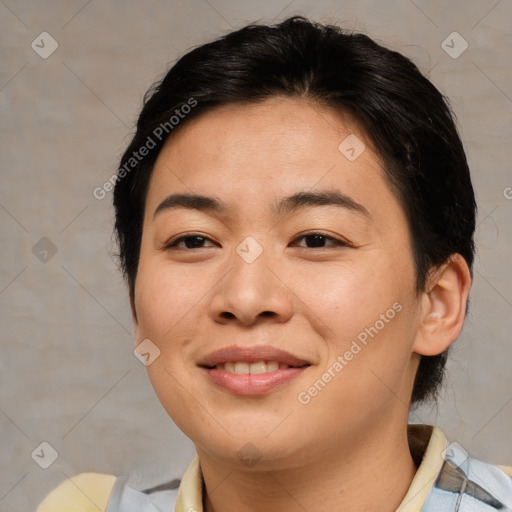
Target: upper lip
251 355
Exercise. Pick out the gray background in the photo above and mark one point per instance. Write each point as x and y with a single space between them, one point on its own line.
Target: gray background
67 372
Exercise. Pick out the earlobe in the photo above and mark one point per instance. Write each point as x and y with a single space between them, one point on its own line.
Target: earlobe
443 306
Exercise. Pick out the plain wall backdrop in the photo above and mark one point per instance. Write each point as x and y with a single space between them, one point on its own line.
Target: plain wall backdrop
68 375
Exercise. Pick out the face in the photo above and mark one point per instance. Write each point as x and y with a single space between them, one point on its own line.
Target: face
295 245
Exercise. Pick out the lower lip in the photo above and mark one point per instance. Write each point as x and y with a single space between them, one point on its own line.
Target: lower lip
252 385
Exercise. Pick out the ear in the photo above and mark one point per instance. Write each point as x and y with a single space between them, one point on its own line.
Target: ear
443 306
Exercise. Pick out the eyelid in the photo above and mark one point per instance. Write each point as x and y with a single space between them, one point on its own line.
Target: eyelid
175 240
339 241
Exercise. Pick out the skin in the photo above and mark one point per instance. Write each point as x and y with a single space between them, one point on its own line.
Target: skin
347 448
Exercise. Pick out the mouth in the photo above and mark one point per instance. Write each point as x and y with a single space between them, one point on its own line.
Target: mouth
252 370
251 360
247 368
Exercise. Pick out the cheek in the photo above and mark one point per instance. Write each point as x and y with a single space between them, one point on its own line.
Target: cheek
165 301
168 303
365 315
347 298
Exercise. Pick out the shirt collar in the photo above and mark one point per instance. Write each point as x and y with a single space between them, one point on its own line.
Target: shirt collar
432 443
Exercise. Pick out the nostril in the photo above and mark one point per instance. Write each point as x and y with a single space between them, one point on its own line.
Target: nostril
228 315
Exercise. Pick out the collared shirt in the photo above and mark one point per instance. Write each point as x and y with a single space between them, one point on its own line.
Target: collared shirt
447 479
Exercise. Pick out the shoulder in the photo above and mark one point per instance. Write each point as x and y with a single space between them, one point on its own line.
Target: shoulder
86 492
507 470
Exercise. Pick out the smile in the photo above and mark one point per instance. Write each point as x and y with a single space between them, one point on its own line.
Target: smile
245 368
251 371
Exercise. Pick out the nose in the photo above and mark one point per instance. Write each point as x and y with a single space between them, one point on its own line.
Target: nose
251 293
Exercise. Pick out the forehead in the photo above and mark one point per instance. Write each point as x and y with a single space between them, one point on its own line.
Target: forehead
258 152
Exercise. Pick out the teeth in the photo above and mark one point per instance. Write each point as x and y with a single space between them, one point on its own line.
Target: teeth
242 368
272 366
255 368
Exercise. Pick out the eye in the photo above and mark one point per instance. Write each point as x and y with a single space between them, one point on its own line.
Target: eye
319 240
188 242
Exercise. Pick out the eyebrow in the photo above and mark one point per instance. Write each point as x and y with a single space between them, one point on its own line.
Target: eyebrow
284 206
319 198
191 202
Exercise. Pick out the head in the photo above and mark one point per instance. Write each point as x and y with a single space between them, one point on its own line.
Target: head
262 114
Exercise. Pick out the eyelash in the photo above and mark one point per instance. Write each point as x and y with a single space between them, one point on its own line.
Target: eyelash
337 242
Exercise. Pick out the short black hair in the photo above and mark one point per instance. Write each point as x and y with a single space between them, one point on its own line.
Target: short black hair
408 122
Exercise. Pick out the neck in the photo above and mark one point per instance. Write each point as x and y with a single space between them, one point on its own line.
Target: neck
373 476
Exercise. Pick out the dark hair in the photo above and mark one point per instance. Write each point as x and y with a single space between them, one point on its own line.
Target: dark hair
407 120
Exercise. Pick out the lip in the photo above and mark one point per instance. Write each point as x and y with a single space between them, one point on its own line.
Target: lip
257 384
252 385
251 355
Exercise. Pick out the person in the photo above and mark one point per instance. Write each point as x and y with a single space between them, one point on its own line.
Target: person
295 218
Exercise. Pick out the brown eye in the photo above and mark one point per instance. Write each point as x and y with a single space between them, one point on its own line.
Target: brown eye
188 242
320 240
